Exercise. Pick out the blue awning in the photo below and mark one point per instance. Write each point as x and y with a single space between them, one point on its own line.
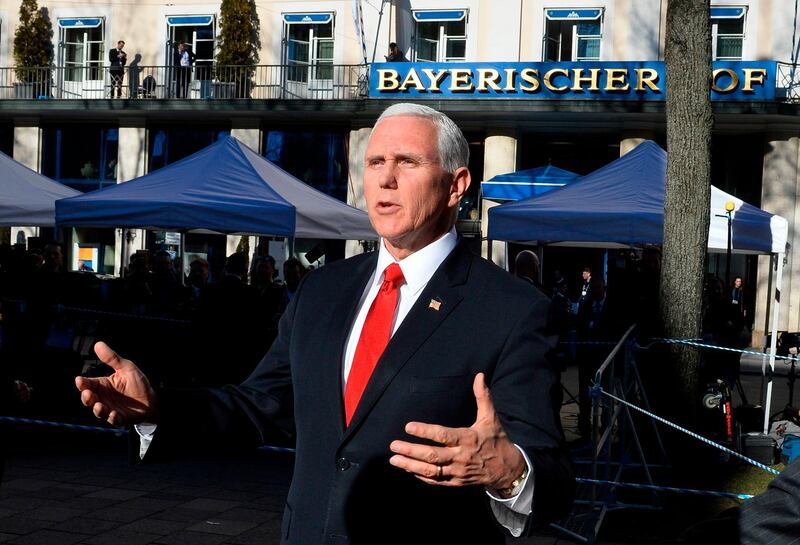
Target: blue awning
573 14
91 22
439 15
727 13
522 184
307 18
190 20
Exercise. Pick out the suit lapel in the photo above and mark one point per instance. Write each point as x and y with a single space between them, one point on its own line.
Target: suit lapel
352 289
437 300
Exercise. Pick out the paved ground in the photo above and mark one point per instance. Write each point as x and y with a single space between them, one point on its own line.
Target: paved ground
65 487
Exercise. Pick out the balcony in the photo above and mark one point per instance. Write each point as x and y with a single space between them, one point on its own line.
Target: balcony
273 82
788 83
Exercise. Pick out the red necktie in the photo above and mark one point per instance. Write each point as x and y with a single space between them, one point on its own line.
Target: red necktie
374 337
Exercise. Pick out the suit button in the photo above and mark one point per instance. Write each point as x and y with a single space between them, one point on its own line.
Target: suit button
343 464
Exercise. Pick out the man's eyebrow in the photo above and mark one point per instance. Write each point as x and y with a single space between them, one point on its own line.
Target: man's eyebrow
398 157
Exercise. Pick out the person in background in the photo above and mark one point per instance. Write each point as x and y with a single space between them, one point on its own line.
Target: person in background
117 57
293 273
737 295
526 267
395 54
183 61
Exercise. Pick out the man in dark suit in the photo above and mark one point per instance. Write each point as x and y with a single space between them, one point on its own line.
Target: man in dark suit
117 57
382 372
183 61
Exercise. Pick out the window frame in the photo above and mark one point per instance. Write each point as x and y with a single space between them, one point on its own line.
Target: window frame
315 67
715 35
574 36
86 67
443 39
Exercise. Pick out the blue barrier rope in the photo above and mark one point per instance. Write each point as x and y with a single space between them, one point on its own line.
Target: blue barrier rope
597 390
65 425
100 429
697 344
690 491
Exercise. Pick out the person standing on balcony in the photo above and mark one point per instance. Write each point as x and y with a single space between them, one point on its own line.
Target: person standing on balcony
184 58
395 54
117 57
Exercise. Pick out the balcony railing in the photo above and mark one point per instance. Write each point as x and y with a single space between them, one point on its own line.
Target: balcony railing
788 82
282 82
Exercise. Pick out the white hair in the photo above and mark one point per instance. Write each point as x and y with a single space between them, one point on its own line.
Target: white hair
452 146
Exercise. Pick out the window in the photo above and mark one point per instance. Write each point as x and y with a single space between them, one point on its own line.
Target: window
170 144
81 48
440 36
727 32
196 31
308 44
572 34
325 170
81 156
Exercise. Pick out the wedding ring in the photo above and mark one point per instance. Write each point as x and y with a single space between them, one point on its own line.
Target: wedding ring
438 473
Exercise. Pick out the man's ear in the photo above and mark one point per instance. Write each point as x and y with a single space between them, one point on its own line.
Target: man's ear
458 187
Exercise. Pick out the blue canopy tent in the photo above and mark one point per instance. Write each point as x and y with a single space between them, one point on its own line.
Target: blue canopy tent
623 203
26 197
224 188
522 184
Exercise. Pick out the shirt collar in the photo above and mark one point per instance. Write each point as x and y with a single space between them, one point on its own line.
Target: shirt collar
418 268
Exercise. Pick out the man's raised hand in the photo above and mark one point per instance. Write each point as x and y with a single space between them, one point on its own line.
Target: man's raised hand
123 398
481 454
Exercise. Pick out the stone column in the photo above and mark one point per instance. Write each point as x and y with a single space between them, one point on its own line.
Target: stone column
355 192
248 132
26 151
499 157
131 163
779 192
632 138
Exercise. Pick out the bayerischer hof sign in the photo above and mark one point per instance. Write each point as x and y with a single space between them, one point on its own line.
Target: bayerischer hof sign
732 80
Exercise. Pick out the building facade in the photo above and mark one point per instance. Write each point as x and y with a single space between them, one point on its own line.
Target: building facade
312 90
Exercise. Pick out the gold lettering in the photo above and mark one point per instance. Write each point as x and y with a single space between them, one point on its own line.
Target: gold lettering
552 74
593 79
751 76
488 77
728 72
412 78
511 80
435 78
460 81
529 75
615 77
388 80
647 77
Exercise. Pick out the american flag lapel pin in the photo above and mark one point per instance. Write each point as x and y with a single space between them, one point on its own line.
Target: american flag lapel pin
435 304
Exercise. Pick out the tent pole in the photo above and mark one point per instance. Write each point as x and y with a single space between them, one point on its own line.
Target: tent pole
773 342
183 258
540 255
123 250
772 265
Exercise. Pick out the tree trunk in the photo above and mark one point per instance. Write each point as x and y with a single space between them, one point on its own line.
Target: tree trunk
686 203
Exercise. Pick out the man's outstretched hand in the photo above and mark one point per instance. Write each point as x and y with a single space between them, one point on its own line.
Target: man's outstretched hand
479 455
123 398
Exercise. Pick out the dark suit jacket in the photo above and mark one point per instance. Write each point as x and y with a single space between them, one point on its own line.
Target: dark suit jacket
344 490
115 60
